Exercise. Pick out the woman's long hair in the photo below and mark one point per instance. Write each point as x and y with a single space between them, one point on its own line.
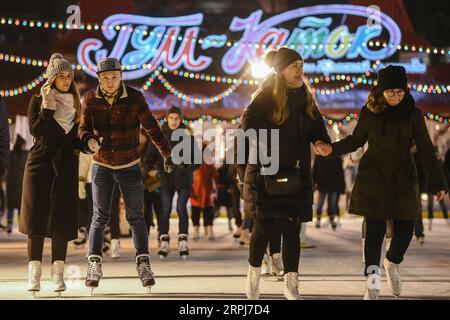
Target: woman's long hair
376 100
280 92
76 96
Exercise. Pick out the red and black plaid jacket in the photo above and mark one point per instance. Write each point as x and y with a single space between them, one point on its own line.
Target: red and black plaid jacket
119 125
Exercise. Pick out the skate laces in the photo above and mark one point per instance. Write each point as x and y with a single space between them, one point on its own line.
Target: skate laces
94 270
291 281
144 268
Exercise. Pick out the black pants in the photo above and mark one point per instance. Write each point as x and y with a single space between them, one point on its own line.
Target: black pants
262 231
36 246
208 216
275 240
236 205
375 232
152 201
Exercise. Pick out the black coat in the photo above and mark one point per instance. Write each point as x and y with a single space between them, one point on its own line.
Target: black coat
14 178
179 178
50 183
328 174
386 186
293 145
225 185
4 138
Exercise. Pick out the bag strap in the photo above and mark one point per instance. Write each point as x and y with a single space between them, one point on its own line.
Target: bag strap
300 137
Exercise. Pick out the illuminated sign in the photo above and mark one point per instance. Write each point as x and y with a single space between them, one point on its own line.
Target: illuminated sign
160 41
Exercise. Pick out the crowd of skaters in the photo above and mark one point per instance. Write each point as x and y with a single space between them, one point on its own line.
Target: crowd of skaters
124 159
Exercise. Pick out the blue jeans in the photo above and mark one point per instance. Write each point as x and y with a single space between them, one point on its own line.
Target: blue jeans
129 181
183 218
332 208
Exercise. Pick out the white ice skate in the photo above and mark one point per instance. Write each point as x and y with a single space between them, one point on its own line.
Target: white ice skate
58 277
34 276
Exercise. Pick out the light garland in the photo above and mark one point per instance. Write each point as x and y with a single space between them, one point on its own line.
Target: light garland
23 60
362 80
25 88
437 118
204 118
186 97
344 121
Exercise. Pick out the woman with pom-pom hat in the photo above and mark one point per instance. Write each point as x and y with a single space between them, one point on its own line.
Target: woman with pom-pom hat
50 184
284 103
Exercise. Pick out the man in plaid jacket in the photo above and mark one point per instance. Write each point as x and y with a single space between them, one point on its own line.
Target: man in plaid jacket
110 122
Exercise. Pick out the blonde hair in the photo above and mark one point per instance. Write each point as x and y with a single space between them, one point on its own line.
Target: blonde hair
279 93
76 96
376 100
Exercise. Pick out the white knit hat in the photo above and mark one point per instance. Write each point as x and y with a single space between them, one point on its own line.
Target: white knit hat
57 64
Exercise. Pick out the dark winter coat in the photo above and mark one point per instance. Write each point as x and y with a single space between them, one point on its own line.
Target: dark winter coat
386 185
224 185
328 174
293 145
14 178
181 177
50 183
4 138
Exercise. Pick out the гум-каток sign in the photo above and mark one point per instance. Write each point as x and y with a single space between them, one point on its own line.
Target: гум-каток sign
314 37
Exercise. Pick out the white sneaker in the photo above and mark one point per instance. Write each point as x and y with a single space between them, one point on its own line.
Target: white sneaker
291 286
34 275
164 246
277 264
373 282
196 234
58 276
237 233
393 277
115 248
183 246
210 233
245 237
94 272
252 283
371 294
265 267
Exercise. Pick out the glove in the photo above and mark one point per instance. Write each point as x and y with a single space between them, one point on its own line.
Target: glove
81 190
48 98
168 165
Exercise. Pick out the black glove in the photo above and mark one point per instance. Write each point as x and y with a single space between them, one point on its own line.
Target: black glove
168 165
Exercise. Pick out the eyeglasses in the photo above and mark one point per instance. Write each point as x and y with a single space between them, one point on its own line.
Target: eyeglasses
392 93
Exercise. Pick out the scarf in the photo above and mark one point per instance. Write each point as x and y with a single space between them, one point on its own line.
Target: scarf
65 111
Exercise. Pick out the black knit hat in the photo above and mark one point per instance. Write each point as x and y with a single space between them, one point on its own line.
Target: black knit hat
281 58
175 110
392 77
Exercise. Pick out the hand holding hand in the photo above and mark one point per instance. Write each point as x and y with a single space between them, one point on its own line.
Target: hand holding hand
322 149
94 145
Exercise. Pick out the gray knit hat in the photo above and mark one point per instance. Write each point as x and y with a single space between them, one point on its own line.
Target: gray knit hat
108 64
57 64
